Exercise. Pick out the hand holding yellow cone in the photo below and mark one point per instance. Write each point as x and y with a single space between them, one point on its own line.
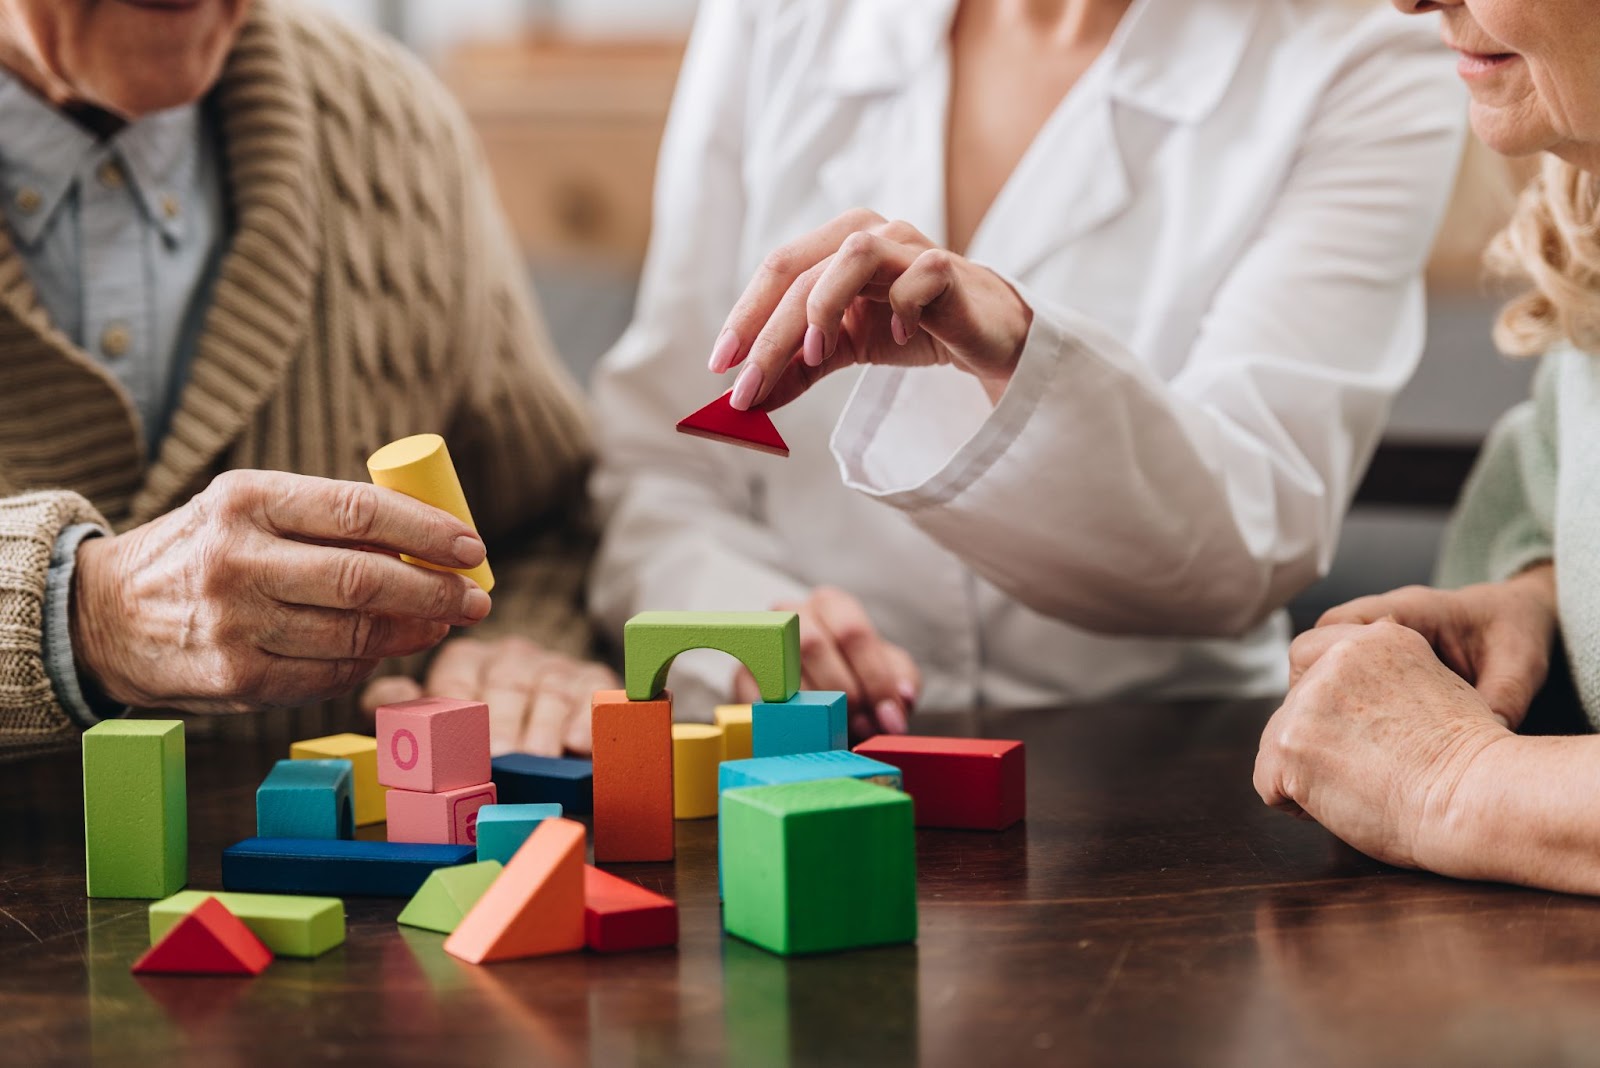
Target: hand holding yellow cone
420 467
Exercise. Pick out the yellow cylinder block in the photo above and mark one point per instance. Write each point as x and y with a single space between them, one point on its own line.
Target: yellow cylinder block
696 752
420 467
735 723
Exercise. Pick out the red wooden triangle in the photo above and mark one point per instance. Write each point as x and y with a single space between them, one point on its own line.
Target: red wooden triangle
209 941
720 421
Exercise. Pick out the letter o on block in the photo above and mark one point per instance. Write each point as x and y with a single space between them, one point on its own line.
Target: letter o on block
768 643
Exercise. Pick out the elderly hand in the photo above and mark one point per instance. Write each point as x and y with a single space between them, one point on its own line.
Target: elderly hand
1496 635
538 700
266 590
863 290
840 649
1374 742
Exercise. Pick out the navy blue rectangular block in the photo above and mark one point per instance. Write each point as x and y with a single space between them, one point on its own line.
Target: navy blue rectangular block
525 779
336 867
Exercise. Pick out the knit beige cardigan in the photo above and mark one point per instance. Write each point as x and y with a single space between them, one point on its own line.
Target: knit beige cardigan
370 290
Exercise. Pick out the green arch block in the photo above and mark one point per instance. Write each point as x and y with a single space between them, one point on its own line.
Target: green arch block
768 643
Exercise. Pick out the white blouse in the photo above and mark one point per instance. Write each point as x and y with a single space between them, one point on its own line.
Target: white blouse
1221 231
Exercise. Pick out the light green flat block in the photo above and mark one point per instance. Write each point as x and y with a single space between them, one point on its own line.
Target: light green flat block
810 867
448 894
135 808
768 643
289 925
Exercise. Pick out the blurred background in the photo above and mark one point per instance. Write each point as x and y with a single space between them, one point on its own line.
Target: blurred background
569 97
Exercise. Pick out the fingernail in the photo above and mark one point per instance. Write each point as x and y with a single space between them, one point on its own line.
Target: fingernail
890 717
475 603
469 550
723 352
897 329
1502 720
813 347
745 388
908 692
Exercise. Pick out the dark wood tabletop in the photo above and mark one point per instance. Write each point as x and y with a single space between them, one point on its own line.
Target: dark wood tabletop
1150 911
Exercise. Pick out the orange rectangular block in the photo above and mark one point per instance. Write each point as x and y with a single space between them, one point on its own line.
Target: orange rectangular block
535 906
632 777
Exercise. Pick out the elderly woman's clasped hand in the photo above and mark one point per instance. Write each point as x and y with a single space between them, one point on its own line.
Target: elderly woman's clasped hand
268 589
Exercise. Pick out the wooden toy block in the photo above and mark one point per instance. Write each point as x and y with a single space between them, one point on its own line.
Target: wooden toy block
306 799
619 915
525 779
768 643
209 940
696 752
503 828
735 723
957 782
798 767
289 925
449 817
336 866
721 421
819 866
135 808
535 907
809 722
362 752
433 744
420 467
632 777
448 895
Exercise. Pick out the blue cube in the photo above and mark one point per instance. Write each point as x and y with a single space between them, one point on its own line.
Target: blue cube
525 779
811 721
307 799
503 828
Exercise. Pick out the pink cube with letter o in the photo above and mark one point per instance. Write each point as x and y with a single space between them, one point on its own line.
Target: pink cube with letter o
433 744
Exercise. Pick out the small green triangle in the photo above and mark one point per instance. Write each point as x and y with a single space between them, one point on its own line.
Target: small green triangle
448 894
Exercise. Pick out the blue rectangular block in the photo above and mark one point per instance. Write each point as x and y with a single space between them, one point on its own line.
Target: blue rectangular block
336 867
307 799
798 767
812 721
525 779
503 828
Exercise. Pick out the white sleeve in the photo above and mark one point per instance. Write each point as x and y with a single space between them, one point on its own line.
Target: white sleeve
682 528
1099 494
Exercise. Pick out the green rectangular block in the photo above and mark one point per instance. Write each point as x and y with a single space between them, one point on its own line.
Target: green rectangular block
768 643
291 926
135 808
810 867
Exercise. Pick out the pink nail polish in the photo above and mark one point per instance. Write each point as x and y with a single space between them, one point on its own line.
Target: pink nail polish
897 329
813 347
745 388
723 352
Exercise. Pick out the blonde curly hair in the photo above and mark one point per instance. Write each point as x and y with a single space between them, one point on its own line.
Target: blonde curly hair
1553 243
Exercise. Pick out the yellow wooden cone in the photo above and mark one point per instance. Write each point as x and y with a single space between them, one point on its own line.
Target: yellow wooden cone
420 467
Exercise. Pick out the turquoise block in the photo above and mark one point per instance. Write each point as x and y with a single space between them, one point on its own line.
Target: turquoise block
503 828
809 722
307 799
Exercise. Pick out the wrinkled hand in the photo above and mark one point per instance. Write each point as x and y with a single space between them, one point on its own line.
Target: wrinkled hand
865 290
264 591
1373 742
840 649
538 700
1496 635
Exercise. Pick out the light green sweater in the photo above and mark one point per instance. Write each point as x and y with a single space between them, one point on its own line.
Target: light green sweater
1535 495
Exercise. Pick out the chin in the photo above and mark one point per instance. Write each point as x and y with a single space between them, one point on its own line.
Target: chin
1510 137
135 93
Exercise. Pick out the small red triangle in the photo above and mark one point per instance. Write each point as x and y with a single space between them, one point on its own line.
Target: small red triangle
720 421
208 941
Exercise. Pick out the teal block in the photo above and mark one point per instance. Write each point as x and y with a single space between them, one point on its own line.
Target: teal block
768 643
809 722
307 799
503 828
819 866
135 808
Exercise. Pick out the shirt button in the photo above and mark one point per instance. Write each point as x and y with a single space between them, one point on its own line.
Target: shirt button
110 174
169 206
28 200
114 340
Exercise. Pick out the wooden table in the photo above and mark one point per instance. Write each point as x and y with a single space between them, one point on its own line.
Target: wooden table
1150 911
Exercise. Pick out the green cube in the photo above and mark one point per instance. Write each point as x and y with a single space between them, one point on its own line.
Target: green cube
135 808
810 867
768 643
289 925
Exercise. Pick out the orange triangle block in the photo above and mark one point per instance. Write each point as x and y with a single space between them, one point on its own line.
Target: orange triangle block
208 941
535 907
720 421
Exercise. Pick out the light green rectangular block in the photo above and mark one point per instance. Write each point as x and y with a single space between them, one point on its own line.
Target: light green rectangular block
768 643
289 925
135 808
810 867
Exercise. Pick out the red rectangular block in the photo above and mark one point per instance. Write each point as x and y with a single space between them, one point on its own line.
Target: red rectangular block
632 777
957 782
619 915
